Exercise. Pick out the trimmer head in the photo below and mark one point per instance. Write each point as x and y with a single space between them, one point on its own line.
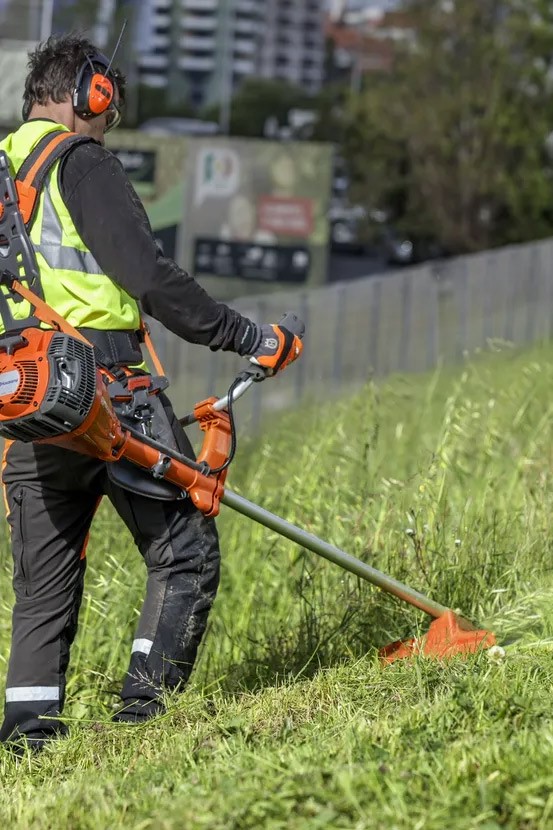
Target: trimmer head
448 635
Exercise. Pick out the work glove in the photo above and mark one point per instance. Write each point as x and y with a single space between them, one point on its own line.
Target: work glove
277 348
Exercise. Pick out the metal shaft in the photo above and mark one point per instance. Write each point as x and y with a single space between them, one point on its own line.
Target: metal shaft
333 554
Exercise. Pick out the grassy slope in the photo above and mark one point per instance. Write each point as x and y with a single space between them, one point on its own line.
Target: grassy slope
443 481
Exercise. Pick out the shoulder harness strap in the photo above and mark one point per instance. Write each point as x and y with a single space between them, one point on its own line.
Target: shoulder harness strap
18 204
32 174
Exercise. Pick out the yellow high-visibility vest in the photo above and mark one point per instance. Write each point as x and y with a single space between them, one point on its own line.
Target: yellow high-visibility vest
72 281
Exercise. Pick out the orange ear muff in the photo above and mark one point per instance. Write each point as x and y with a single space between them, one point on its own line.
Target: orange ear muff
100 95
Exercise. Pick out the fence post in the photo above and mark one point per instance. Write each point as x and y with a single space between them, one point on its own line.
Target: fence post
339 333
433 316
406 315
531 299
487 304
301 366
511 279
464 304
549 293
211 375
374 325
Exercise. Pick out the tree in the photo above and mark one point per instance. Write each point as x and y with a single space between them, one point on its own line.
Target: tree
328 106
73 15
453 141
256 101
153 103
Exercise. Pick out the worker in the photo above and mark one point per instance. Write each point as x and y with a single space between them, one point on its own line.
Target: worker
100 268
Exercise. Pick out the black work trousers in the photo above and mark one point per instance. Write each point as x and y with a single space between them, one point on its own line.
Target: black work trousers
52 495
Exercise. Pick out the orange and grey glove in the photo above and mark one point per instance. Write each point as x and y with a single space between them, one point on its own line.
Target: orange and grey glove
277 347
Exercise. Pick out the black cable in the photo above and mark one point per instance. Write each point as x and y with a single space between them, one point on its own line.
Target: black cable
203 467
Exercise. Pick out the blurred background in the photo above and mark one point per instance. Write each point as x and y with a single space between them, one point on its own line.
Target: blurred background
395 155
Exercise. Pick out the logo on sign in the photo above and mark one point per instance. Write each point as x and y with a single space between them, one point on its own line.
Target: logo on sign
218 173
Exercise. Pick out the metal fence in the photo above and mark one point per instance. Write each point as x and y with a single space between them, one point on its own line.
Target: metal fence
404 321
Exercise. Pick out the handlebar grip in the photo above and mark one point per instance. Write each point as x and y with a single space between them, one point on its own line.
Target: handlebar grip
293 323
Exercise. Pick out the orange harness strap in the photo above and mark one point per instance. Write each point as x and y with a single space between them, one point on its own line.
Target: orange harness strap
32 174
47 314
150 346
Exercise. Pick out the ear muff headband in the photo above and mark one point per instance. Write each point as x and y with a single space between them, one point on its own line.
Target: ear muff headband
94 91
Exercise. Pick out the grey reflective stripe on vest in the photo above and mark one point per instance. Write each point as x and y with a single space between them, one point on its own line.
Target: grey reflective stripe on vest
24 694
61 257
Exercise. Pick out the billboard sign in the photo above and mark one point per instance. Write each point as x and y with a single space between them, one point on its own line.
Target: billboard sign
140 167
255 213
251 260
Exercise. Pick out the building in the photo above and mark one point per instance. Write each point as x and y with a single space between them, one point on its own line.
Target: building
293 43
358 12
24 20
201 50
362 35
197 48
100 20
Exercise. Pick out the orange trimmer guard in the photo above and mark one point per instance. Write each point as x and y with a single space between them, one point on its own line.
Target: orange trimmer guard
448 636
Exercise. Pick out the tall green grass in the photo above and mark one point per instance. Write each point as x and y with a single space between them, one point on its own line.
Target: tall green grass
443 481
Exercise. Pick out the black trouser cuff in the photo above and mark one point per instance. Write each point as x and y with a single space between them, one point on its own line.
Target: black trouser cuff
137 710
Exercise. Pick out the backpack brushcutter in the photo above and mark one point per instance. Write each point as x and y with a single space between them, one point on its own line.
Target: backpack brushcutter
56 389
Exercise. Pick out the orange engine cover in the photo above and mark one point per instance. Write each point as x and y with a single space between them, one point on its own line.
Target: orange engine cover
51 391
24 376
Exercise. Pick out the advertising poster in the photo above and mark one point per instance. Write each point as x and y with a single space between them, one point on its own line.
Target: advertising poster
255 214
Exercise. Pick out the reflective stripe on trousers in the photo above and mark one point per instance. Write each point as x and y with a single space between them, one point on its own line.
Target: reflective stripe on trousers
23 694
142 645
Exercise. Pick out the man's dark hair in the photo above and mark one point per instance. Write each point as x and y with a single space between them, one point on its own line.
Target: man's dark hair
53 69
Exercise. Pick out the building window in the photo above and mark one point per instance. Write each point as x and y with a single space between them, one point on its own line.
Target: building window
253 16
196 97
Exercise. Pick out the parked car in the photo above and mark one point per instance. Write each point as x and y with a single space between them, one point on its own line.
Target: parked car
345 235
407 249
356 230
351 227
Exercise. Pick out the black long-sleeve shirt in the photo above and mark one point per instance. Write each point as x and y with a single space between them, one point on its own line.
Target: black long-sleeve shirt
113 224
